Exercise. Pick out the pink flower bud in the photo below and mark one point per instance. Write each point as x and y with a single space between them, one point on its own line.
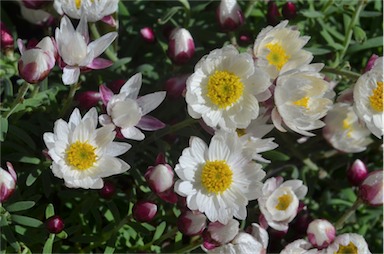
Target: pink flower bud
192 223
229 15
181 46
147 34
55 224
245 39
371 189
88 99
144 211
6 37
371 62
357 173
7 182
221 233
289 10
175 86
108 190
159 178
169 196
35 4
116 85
321 233
273 14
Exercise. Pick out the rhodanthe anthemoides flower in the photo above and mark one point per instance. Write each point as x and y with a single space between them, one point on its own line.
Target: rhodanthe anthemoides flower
302 97
128 112
77 52
368 98
280 49
83 154
348 243
218 179
225 89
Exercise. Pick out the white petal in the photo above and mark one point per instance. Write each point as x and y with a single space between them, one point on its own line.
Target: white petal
70 75
132 133
132 86
101 44
150 101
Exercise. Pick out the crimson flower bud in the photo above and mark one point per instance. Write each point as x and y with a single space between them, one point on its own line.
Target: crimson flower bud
192 223
6 37
181 46
245 39
54 224
175 86
116 85
371 189
321 233
144 211
35 4
371 62
273 14
289 10
159 177
229 15
108 190
147 34
7 182
88 99
357 173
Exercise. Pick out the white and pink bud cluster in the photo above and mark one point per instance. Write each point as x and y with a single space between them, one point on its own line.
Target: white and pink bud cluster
321 233
7 182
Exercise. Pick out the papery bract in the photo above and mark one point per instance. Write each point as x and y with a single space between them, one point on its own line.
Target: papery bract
181 46
229 15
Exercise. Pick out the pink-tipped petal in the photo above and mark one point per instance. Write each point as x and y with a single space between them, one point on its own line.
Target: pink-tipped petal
21 46
109 20
106 94
100 63
12 170
150 123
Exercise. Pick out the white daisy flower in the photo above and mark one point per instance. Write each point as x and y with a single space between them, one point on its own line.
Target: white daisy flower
302 97
300 246
344 131
348 243
218 180
368 98
225 89
82 155
94 10
280 200
128 112
280 49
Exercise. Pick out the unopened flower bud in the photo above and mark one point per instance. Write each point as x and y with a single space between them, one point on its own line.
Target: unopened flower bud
321 233
88 99
35 4
144 211
147 34
245 39
223 233
273 14
6 37
229 15
54 224
108 190
7 182
176 86
159 177
181 46
357 173
289 10
192 223
371 189
371 62
116 85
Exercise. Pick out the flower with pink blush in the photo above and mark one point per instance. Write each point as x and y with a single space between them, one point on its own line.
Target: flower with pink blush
348 243
147 34
357 173
159 177
229 15
192 223
181 46
371 189
144 211
176 86
300 246
7 182
6 37
321 233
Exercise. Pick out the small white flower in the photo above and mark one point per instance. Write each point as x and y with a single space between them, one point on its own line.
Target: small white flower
300 246
368 98
280 200
223 233
348 243
321 233
128 112
223 89
279 49
344 131
218 180
302 97
82 155
76 51
94 10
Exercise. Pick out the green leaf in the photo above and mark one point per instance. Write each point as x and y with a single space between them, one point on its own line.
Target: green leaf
120 62
26 221
159 231
11 239
20 206
3 128
370 43
30 160
48 244
62 235
185 3
22 136
109 250
169 15
49 211
275 155
318 51
32 177
312 14
359 34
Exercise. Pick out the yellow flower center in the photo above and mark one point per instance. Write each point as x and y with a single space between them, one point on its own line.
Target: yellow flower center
81 155
78 3
277 55
376 99
283 202
303 102
224 88
347 249
216 176
241 132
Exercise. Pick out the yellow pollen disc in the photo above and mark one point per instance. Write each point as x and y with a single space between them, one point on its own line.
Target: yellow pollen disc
376 99
216 176
81 155
347 249
224 88
241 132
303 102
283 202
277 55
78 3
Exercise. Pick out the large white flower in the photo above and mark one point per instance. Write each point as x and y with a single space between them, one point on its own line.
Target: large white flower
348 243
128 112
76 51
368 98
82 154
344 131
302 97
225 89
94 10
280 49
218 180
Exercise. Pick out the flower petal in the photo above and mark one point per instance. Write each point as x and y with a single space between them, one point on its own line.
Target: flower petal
100 45
150 101
150 123
70 75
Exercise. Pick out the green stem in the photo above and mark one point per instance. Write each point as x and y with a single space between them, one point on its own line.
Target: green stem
232 38
95 32
69 99
190 247
249 8
19 99
161 239
346 73
340 223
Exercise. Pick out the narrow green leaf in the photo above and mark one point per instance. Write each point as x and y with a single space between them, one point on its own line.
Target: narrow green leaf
48 244
30 160
22 136
169 15
109 250
185 3
20 206
49 211
11 239
275 156
32 177
62 235
120 62
312 14
359 34
3 128
26 221
159 231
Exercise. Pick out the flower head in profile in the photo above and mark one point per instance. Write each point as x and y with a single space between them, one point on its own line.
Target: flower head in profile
77 52
83 154
218 179
368 98
225 89
8 181
128 112
280 49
